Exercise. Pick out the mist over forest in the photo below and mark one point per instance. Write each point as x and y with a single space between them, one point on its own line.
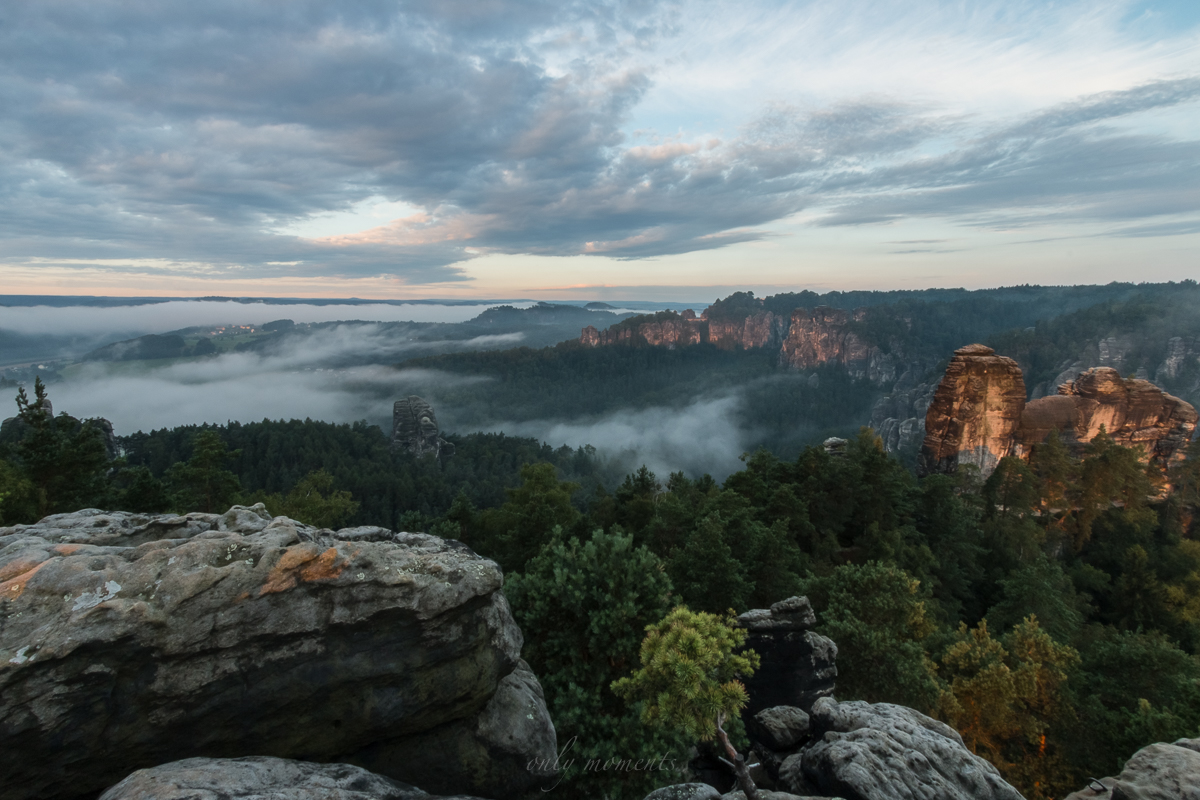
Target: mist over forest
519 368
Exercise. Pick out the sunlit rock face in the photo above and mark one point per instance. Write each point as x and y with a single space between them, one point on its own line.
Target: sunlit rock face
764 329
131 640
979 415
1134 412
818 336
415 429
975 412
670 333
614 335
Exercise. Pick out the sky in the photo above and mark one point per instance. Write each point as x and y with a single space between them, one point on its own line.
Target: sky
606 149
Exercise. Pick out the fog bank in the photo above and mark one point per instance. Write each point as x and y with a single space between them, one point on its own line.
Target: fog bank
704 437
137 320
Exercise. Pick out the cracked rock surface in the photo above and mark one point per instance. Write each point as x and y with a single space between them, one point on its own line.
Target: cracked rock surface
261 778
880 751
131 640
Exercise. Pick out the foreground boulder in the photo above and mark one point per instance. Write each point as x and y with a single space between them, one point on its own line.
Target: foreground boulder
1156 772
880 751
260 778
129 641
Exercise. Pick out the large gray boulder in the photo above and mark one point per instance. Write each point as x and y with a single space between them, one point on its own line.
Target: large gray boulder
129 641
880 751
1156 772
260 778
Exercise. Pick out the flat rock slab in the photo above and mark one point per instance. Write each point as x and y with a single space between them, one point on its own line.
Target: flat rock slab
128 641
880 751
260 778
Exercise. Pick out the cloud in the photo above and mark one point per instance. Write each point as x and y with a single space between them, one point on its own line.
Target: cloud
187 138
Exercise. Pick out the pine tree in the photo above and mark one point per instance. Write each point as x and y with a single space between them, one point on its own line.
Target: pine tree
689 679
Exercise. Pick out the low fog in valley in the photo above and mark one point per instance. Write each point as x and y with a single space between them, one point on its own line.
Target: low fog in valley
348 372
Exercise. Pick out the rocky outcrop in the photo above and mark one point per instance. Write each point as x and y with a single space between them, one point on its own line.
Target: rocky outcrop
260 778
979 414
819 336
898 418
129 641
415 429
1179 351
1157 772
1134 412
798 666
810 745
669 330
614 335
762 330
670 333
808 339
825 335
880 751
975 412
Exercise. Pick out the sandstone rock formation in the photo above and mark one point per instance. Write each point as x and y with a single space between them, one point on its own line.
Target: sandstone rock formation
763 329
880 751
670 333
1157 772
975 412
808 339
819 336
798 667
979 414
614 335
260 778
1134 412
130 640
898 418
810 745
415 429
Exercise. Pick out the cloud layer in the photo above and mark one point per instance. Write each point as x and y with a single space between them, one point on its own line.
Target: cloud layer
172 139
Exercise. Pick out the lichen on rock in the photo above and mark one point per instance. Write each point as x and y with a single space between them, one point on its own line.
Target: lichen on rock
129 640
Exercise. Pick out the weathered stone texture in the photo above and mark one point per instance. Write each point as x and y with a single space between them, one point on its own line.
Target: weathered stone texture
670 333
880 751
975 412
979 414
260 778
1156 772
415 429
798 665
818 336
1134 412
129 641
